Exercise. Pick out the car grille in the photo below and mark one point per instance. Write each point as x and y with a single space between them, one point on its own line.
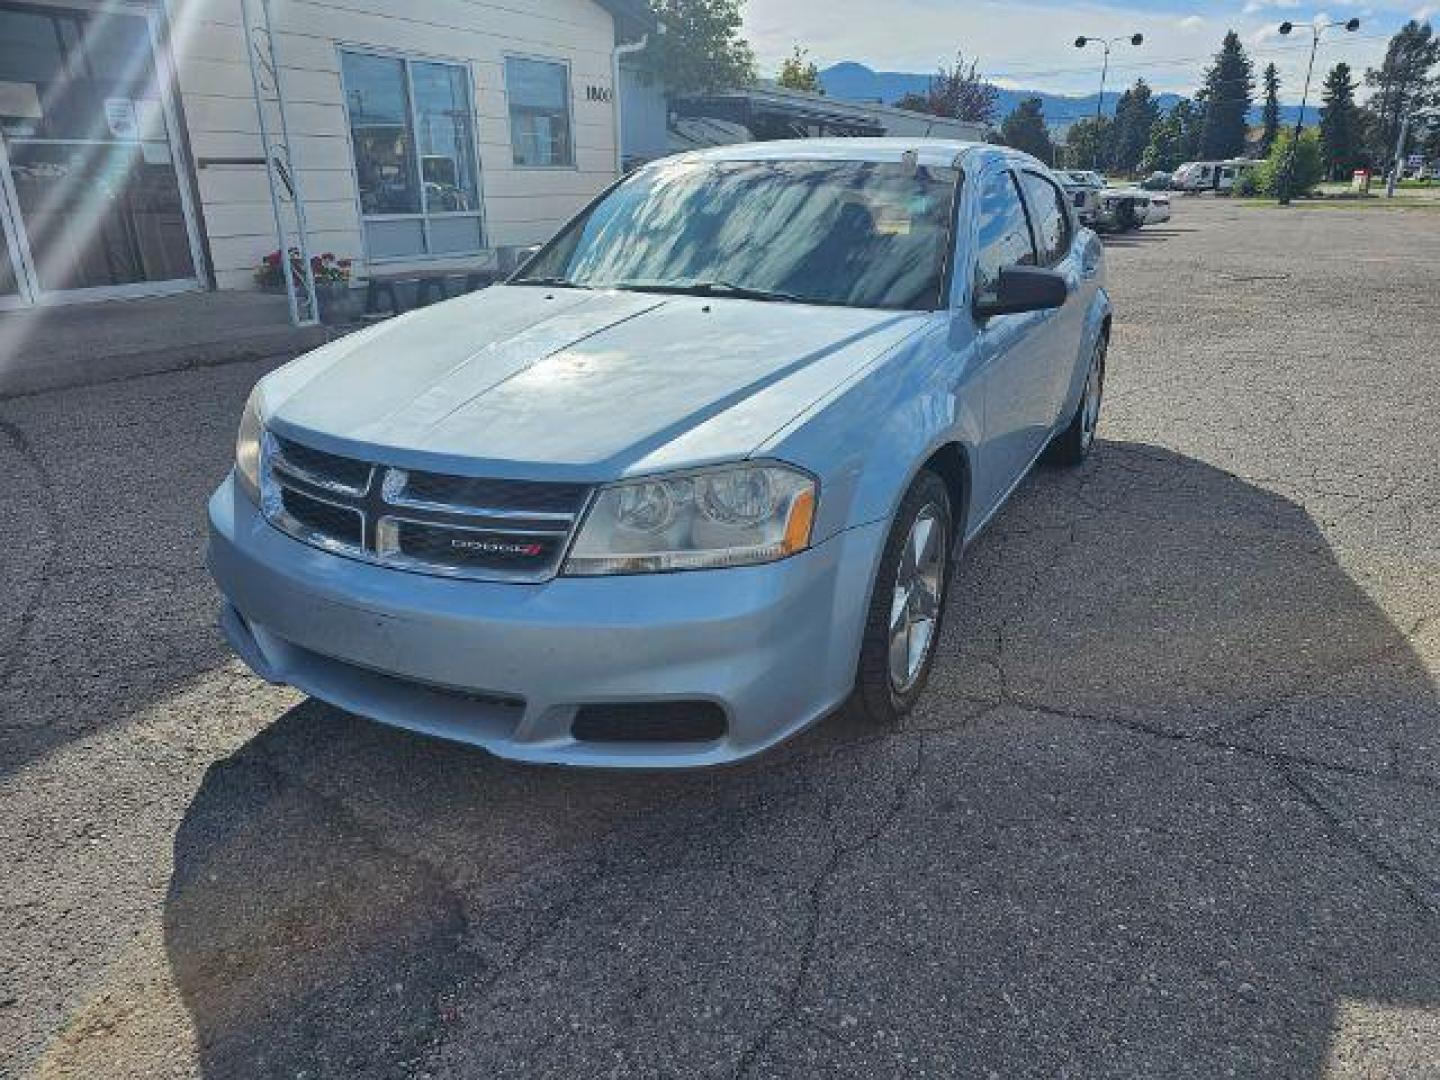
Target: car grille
459 526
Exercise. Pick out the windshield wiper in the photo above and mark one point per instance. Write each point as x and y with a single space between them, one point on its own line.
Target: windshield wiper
557 282
717 288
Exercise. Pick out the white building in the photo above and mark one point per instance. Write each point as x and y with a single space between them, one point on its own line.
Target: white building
422 134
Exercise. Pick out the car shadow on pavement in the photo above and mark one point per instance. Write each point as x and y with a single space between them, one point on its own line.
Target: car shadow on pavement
1164 811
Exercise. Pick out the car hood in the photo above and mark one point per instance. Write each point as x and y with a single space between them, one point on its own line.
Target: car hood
574 384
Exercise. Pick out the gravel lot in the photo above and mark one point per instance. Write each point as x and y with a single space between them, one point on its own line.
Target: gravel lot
1170 808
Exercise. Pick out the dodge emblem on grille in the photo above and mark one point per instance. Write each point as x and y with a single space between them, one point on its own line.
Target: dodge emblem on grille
497 547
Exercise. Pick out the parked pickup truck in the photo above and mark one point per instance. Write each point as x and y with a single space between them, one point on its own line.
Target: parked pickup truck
1107 209
697 476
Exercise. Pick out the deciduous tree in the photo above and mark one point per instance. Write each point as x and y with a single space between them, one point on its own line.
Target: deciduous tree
1306 170
958 91
1401 84
701 48
798 72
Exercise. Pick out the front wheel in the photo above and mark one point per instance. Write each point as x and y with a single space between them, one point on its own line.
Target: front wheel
1073 445
907 604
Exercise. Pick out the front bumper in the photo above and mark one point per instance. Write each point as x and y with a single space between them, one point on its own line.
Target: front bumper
505 666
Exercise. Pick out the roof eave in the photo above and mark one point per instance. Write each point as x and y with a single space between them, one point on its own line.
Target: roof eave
632 17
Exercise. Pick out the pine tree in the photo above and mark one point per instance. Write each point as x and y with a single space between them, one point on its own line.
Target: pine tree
1229 92
1025 129
1190 119
1270 115
1402 84
1135 115
1340 150
1085 142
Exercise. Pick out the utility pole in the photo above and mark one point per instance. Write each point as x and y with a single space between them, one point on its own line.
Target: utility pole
1080 42
1399 156
1316 30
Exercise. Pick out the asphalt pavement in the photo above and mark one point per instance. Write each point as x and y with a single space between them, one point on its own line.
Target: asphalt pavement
1169 807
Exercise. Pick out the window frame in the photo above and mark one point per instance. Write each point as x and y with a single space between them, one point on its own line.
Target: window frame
424 215
573 165
1006 170
1066 211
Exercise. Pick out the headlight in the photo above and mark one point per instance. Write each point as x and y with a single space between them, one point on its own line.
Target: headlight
247 446
735 515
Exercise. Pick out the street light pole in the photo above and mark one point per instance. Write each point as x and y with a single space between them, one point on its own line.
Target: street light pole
1399 157
1080 43
1316 30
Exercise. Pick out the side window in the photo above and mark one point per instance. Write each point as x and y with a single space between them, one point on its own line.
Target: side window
539 93
1004 238
1048 215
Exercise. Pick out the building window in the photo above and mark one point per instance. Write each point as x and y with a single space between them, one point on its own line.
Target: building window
539 93
412 130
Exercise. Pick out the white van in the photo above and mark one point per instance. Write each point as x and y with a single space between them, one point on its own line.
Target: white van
1196 176
1219 176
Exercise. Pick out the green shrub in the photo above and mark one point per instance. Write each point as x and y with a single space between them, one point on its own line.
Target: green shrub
1247 184
1307 170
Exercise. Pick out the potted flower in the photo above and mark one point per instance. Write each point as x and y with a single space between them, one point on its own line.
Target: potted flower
332 281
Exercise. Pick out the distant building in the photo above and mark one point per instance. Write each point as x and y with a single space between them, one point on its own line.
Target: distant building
654 127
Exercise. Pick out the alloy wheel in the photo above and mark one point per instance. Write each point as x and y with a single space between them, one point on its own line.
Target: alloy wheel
915 604
1094 392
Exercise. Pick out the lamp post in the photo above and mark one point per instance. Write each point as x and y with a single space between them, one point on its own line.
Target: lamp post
1317 30
1080 43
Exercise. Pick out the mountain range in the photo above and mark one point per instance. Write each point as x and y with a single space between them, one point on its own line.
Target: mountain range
852 81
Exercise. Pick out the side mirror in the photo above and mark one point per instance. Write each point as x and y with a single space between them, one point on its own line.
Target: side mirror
1021 289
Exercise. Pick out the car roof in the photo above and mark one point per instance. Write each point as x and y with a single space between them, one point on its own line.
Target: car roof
934 152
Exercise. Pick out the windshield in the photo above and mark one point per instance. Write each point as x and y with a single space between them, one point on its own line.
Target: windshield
857 233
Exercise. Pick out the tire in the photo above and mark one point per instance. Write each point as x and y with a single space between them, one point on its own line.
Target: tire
1073 445
885 692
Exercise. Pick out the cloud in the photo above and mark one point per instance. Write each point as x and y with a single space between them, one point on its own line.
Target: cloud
1030 43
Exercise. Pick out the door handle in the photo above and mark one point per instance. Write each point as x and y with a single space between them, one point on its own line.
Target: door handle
1089 270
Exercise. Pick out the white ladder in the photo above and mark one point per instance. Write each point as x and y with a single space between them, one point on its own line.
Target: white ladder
286 199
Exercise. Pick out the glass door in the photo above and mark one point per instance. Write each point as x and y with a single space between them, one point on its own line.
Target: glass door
95 203
14 291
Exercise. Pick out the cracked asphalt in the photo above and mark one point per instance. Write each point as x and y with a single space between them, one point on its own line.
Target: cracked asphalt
1169 807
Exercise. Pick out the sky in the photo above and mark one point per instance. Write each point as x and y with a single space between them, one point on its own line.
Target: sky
1029 44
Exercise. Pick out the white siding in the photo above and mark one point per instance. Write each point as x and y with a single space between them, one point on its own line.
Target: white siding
521 205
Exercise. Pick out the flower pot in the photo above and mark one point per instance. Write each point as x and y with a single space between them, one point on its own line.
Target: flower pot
336 302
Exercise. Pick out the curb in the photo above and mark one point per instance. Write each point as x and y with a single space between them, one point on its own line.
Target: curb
77 372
